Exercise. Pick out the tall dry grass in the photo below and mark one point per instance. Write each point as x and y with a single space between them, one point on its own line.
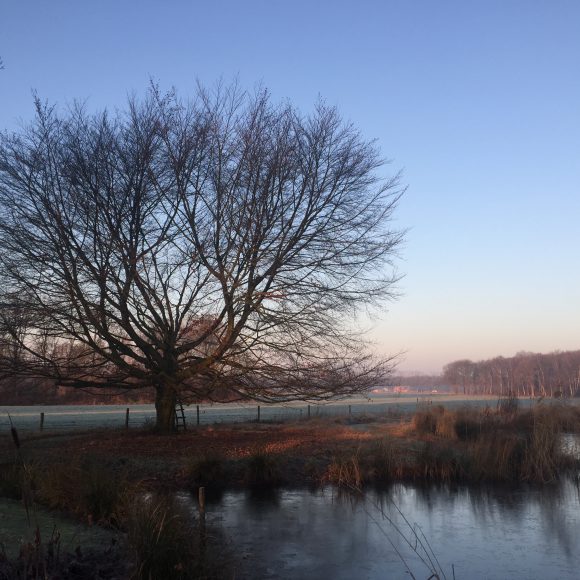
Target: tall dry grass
345 472
85 488
262 469
506 445
384 462
161 540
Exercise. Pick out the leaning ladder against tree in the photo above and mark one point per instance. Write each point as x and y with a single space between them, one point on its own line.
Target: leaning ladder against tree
180 423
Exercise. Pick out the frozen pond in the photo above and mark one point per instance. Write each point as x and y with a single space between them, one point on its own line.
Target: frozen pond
522 533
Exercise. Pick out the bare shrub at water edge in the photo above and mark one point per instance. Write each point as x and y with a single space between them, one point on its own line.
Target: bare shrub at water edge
262 470
206 470
313 470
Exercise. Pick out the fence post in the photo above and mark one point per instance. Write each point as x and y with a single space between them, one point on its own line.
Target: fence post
42 421
197 409
201 499
258 413
127 418
309 411
349 411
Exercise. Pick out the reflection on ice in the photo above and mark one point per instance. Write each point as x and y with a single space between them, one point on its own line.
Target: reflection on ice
500 532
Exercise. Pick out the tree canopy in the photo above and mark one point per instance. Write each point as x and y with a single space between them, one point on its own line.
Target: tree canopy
223 243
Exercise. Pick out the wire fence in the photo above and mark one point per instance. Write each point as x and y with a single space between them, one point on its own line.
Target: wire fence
86 417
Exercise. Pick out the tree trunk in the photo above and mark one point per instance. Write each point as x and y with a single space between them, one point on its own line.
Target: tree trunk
165 400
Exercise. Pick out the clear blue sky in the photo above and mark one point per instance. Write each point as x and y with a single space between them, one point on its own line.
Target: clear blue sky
478 103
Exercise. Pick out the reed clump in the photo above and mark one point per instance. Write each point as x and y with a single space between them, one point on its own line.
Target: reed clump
345 472
497 457
445 425
505 445
544 459
565 417
438 463
384 463
262 469
161 540
425 421
84 488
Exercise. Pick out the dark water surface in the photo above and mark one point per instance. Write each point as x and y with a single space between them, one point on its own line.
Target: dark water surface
483 533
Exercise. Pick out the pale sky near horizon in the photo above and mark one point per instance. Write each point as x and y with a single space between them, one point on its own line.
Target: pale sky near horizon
477 102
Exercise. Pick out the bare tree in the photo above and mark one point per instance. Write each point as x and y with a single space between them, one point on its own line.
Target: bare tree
224 243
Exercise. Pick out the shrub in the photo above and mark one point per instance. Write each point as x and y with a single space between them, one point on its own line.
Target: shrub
160 540
262 470
206 470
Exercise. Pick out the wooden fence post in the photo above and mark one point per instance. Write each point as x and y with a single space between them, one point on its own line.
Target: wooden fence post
349 411
42 421
127 418
201 500
309 411
258 413
197 408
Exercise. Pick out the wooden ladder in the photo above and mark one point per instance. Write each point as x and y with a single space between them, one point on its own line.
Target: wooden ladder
180 423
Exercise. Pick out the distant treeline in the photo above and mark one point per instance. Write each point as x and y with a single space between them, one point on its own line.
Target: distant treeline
27 391
526 375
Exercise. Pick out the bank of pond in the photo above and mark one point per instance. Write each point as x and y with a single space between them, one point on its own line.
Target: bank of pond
447 494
